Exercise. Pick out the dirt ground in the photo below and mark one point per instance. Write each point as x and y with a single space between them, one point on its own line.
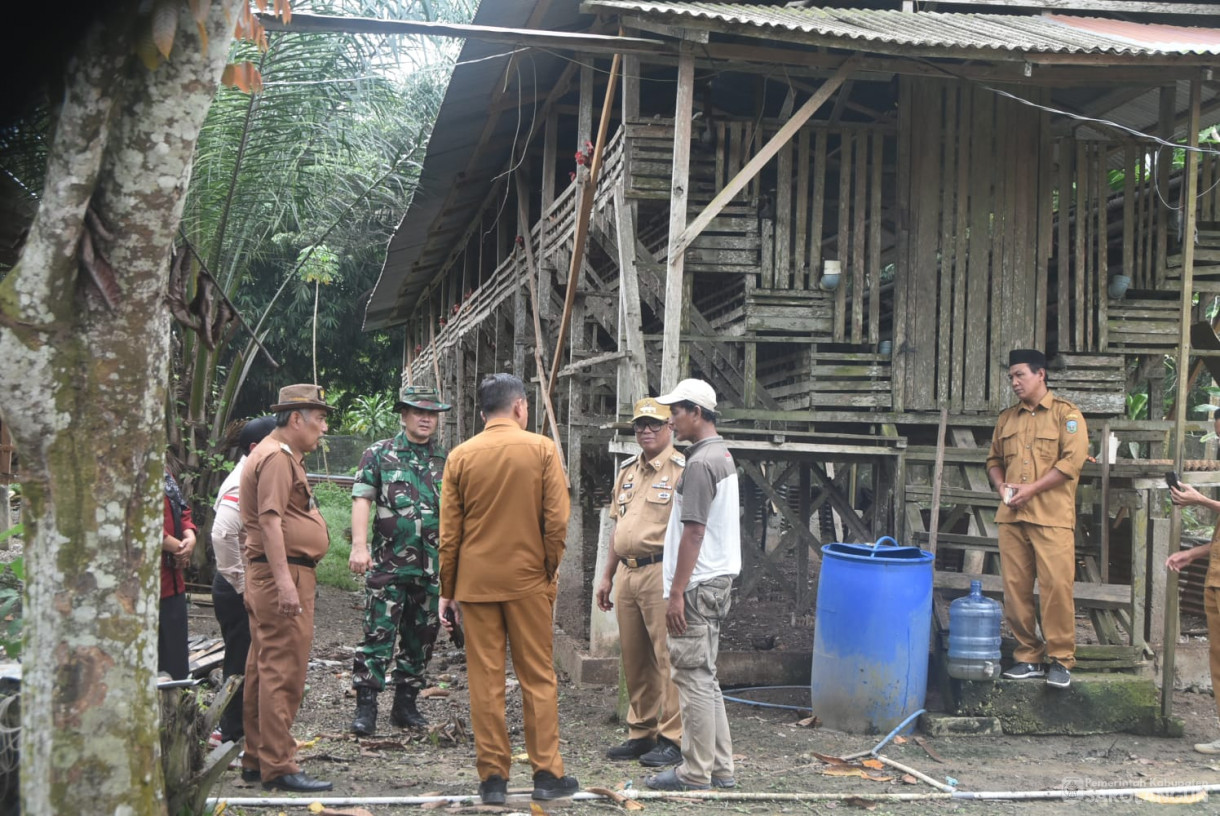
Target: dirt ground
774 753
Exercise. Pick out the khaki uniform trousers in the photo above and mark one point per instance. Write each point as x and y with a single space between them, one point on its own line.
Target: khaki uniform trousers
640 609
707 745
525 625
1211 606
275 670
1029 551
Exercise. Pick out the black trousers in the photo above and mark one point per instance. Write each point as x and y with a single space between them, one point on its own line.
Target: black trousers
230 608
172 654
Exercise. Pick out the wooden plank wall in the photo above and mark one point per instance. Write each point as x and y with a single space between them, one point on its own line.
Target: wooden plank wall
830 199
977 210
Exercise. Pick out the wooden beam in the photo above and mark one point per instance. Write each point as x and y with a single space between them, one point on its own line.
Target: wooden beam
1126 6
582 225
523 37
539 343
674 267
1179 421
631 331
760 159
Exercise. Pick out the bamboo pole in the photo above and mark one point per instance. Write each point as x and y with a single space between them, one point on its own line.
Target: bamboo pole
1179 420
582 227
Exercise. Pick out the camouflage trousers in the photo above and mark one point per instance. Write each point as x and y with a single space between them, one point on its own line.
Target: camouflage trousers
396 608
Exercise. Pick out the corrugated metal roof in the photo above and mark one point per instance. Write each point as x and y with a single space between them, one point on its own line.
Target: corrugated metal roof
1033 34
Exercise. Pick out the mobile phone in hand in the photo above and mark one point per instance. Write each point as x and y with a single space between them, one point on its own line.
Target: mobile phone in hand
1171 479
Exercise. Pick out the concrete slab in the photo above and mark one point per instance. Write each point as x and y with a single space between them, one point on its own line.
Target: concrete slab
769 668
1095 704
946 725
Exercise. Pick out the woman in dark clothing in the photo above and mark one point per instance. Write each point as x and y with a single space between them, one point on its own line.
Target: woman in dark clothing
177 541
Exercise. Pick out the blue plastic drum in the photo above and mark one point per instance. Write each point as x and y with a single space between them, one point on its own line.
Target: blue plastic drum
872 629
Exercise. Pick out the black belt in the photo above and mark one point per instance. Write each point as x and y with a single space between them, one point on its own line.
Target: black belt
299 560
641 562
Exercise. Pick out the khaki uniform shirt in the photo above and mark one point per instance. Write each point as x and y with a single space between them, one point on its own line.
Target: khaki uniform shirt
1027 444
643 497
504 515
273 484
1213 564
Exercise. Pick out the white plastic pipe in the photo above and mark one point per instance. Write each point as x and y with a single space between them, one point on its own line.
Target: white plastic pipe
731 796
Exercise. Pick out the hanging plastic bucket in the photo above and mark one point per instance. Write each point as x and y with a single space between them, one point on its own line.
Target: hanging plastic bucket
872 629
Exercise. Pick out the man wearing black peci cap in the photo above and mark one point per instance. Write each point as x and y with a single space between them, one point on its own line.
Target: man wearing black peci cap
1037 450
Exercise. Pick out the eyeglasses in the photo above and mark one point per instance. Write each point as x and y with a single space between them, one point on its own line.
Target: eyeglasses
653 425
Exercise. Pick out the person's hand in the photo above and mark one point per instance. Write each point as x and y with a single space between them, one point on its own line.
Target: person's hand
603 595
1022 493
445 605
1179 560
675 614
289 603
1184 495
359 561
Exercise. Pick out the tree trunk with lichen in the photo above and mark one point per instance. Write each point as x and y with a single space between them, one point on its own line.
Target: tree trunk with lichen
84 397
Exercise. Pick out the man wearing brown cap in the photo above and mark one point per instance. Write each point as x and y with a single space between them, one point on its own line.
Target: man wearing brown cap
402 476
1037 450
285 539
504 518
643 497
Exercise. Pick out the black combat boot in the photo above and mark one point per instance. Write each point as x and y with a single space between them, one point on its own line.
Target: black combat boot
404 714
365 723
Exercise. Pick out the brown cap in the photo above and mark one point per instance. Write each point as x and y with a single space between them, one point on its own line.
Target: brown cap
293 397
649 408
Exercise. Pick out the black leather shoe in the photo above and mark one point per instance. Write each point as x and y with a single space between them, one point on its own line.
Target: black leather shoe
666 753
547 786
493 790
251 775
299 782
632 749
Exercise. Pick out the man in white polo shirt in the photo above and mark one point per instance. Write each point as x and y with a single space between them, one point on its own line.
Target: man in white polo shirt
702 556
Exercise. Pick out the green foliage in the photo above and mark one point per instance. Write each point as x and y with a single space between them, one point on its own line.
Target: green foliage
371 417
335 504
12 580
15 530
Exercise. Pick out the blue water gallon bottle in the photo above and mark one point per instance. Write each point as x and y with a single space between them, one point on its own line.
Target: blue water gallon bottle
974 636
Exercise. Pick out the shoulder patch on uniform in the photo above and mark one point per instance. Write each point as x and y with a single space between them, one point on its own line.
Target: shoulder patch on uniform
630 461
678 459
1071 426
284 447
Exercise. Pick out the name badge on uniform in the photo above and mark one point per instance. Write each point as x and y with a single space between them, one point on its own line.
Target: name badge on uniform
628 486
663 495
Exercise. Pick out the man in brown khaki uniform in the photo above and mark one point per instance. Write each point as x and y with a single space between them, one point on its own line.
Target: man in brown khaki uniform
1185 495
643 497
285 539
1037 450
504 518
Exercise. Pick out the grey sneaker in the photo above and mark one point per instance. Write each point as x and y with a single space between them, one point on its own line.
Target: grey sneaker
1208 747
1024 671
1058 676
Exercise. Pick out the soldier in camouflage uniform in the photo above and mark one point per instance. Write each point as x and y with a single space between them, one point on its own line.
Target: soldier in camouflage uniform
402 476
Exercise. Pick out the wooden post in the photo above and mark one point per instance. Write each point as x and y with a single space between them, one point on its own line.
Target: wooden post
937 476
582 228
629 298
527 239
550 137
802 546
674 264
1179 420
1105 503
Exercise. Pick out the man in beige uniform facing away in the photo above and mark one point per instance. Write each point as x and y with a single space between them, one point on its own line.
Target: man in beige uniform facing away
504 517
1037 450
643 497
